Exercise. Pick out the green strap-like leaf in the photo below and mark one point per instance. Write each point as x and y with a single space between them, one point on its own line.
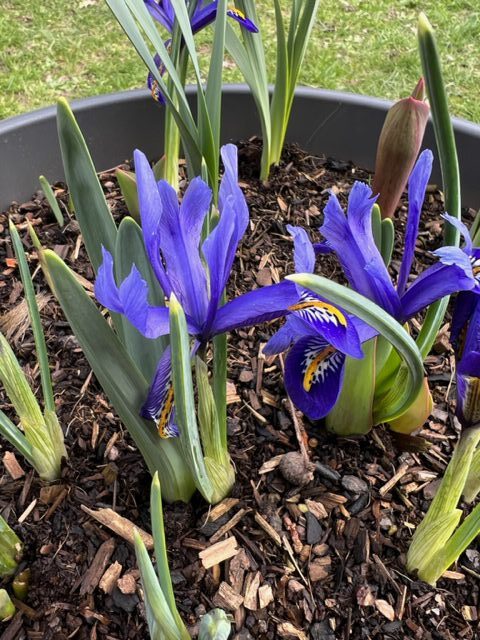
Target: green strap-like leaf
445 139
91 209
185 400
119 377
380 320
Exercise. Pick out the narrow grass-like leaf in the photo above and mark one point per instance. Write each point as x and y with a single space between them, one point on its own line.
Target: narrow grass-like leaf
124 385
51 199
16 438
380 320
37 328
185 401
445 139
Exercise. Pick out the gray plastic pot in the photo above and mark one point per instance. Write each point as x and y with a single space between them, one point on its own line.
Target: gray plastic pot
339 125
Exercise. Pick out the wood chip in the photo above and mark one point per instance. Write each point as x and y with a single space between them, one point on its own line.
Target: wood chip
268 529
228 525
219 552
227 598
58 501
287 629
119 525
385 609
127 584
221 509
317 509
265 596
236 570
12 466
252 583
96 570
270 465
453 575
27 511
110 577
402 470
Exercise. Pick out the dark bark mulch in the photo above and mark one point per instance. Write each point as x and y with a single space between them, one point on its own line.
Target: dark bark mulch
324 560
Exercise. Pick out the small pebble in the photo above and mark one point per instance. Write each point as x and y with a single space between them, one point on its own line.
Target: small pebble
314 529
321 631
327 472
354 485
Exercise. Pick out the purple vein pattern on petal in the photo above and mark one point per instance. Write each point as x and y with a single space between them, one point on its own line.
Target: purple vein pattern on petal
255 307
313 376
184 267
434 283
352 240
151 209
417 186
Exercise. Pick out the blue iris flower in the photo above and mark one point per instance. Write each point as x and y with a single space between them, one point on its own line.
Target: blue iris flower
203 14
196 272
315 363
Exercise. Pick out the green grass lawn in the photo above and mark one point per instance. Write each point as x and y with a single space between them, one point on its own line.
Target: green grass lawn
55 48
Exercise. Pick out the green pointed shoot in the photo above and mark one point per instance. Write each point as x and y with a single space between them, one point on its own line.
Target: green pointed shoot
215 625
128 186
51 199
352 413
447 151
164 621
10 549
43 433
387 327
7 608
433 547
388 240
122 382
207 472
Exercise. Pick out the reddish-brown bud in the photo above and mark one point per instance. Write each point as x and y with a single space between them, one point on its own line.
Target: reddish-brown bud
398 148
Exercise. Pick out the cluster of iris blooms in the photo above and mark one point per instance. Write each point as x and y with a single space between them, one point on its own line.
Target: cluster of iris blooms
163 276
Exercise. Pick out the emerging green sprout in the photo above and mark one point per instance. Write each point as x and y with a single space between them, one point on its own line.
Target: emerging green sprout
40 437
10 549
438 541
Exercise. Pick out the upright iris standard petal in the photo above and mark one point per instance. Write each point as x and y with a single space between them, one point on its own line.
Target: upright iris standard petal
179 232
229 187
352 240
159 405
303 253
151 211
458 224
162 11
313 376
417 186
203 15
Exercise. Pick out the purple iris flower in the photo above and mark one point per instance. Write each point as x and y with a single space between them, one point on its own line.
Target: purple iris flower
195 272
314 367
204 14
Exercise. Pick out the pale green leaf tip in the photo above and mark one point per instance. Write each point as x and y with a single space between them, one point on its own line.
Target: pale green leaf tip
424 25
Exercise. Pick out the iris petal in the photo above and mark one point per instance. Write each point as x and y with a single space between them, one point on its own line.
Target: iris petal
242 19
329 321
417 186
303 253
313 376
458 224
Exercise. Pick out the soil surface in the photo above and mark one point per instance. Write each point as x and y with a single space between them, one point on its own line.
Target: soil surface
325 560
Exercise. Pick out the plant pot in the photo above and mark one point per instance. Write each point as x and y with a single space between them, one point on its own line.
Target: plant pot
340 125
